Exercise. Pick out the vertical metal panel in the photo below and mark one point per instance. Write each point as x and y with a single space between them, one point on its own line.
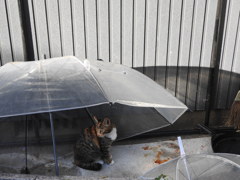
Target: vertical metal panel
66 27
230 35
139 22
15 30
195 53
163 31
127 32
236 60
209 32
33 27
174 33
186 32
79 31
162 39
41 28
234 83
150 36
103 29
206 52
5 44
173 44
225 89
218 80
11 38
184 47
54 28
197 32
115 29
91 30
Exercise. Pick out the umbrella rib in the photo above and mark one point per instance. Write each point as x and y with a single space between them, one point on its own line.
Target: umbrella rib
45 76
215 166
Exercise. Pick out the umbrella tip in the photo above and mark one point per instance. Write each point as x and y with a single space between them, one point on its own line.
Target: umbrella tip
182 152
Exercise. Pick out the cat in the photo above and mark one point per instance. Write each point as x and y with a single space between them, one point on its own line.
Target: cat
92 148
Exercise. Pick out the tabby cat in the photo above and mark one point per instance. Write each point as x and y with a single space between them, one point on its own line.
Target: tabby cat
94 145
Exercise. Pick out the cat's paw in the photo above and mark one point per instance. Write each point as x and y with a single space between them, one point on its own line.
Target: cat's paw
112 162
100 162
108 161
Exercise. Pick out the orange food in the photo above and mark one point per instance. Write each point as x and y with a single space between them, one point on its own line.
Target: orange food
158 161
146 148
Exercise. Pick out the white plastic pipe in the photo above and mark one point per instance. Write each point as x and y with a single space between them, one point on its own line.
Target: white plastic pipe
182 153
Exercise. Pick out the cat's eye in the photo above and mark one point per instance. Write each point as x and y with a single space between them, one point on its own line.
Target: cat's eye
107 122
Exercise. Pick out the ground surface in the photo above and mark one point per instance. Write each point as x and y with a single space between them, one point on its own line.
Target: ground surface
132 158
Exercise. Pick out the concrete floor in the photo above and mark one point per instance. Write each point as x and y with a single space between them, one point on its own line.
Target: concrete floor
132 158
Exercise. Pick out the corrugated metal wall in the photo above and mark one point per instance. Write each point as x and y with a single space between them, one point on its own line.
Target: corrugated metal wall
137 33
169 40
143 34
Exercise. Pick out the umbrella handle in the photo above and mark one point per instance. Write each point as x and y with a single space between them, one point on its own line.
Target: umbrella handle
94 119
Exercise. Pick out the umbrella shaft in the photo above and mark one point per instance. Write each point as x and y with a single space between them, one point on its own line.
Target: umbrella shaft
54 145
26 142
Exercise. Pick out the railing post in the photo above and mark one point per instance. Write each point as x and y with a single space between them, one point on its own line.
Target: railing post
27 30
216 57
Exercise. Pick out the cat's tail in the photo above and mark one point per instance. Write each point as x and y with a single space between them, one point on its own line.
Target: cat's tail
89 166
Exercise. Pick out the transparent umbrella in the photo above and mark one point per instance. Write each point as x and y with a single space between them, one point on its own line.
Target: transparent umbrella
213 166
67 83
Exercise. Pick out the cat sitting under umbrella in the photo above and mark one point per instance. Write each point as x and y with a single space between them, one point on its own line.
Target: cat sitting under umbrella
93 147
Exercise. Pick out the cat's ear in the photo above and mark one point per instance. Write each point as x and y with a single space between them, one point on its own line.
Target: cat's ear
95 119
106 122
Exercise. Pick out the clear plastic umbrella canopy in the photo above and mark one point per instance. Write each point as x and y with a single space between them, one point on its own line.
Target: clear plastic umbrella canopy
66 83
197 167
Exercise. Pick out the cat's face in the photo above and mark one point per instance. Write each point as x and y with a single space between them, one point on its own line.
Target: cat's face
103 127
